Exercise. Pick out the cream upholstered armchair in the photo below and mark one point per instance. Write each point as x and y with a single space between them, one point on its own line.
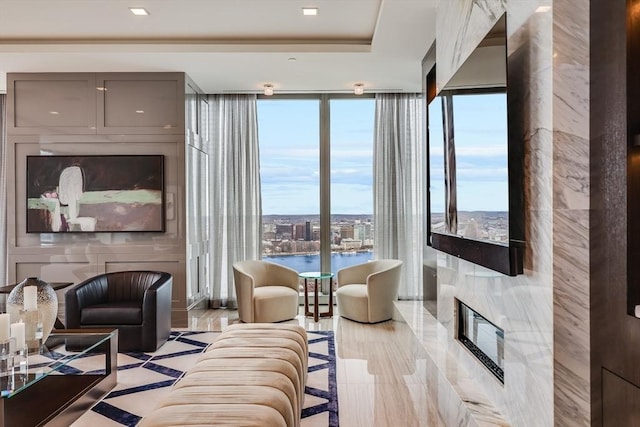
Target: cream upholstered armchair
366 291
266 292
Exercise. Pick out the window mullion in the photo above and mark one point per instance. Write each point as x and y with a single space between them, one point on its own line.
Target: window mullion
325 187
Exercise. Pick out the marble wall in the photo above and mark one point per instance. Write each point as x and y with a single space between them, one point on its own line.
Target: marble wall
545 311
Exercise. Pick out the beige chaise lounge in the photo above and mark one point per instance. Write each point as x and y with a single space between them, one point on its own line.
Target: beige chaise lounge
252 375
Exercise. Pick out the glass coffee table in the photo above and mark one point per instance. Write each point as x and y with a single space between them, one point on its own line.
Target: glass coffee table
57 386
317 277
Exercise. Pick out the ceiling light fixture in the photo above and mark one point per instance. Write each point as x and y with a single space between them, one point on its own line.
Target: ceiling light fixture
268 90
358 88
309 11
542 9
139 11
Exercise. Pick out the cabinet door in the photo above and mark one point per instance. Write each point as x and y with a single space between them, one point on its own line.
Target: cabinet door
51 103
141 103
203 116
191 105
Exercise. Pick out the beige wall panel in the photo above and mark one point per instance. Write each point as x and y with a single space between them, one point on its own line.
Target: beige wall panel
54 271
141 103
52 103
104 122
99 242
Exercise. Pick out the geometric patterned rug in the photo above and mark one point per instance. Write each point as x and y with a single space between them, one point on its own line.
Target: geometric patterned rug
145 378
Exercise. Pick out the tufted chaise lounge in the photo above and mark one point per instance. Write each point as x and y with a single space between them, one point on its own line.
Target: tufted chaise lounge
252 375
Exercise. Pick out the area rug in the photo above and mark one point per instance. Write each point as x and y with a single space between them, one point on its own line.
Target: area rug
145 378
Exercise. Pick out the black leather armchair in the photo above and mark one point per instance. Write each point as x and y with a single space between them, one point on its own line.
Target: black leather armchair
137 303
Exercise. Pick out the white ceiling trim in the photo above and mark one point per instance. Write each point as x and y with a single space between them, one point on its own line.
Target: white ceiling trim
195 46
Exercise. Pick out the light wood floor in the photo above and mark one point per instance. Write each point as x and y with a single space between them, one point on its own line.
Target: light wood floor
381 369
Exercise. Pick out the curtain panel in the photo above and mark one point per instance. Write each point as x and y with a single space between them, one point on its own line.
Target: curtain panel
3 188
399 203
236 211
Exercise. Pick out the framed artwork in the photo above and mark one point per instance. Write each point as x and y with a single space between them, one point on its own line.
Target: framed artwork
115 193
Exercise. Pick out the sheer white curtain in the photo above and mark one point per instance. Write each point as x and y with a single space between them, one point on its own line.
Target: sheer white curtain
399 192
236 205
3 189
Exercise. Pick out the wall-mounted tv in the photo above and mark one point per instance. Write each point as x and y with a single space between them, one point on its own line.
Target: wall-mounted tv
475 176
114 193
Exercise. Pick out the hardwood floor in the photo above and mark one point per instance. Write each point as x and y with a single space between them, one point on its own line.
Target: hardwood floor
381 369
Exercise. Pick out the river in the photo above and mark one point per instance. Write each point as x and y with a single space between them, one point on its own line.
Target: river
302 263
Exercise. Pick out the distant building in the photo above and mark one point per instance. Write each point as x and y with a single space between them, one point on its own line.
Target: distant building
346 232
362 231
284 231
299 232
350 244
307 231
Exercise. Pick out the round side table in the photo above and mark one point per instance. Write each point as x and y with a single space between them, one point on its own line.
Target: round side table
317 277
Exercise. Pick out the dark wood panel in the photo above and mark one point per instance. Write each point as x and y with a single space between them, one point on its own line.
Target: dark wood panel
615 334
620 401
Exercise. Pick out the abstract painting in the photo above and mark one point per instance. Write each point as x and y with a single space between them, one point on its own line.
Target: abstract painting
114 193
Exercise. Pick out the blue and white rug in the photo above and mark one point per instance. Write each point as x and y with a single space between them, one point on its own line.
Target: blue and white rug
145 378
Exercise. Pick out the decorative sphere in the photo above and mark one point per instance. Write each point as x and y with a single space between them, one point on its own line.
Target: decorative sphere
47 303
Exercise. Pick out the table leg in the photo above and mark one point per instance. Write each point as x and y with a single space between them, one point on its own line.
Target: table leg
316 311
306 299
330 314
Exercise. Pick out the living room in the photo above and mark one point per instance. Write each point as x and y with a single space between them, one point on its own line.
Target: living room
564 311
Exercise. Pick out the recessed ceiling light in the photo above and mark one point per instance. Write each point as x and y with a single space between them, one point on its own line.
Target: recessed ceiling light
542 9
55 113
140 111
292 59
139 11
309 11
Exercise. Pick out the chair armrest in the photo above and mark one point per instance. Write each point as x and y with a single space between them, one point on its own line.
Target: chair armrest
354 274
156 312
157 296
383 285
284 276
244 292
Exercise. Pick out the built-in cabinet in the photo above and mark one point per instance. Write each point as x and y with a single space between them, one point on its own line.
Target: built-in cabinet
198 207
113 114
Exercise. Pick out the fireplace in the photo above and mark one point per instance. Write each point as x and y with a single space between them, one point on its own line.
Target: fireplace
482 338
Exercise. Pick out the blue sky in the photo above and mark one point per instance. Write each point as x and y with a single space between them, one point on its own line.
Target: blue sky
289 155
288 131
481 153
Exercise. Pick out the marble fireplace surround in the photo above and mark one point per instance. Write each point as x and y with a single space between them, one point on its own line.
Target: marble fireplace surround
454 391
545 311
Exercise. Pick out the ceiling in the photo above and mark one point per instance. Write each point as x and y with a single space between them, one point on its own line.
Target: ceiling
226 46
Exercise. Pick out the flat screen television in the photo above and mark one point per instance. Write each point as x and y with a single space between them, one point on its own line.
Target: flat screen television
114 193
475 169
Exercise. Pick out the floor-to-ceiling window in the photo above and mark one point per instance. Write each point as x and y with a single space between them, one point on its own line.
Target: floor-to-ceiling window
289 138
316 161
351 183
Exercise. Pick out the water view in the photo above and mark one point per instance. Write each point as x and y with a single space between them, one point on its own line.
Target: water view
311 262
